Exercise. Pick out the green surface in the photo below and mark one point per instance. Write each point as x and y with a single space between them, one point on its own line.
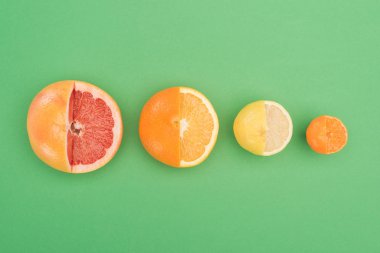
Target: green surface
314 57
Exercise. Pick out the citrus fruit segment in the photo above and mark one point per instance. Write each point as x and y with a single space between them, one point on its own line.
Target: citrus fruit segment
179 127
198 127
74 126
263 128
326 135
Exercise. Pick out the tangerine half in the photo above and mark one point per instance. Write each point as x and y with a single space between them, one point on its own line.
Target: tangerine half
326 135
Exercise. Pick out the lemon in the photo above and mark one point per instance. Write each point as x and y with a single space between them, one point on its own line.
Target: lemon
263 128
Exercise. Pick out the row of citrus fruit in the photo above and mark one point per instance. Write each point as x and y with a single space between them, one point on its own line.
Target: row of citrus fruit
76 127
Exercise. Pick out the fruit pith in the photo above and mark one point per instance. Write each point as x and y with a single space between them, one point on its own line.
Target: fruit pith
74 126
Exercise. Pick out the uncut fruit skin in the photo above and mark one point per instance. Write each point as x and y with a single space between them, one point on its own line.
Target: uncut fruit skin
46 124
316 135
250 127
117 129
159 128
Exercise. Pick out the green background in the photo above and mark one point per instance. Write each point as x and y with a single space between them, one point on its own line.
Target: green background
314 57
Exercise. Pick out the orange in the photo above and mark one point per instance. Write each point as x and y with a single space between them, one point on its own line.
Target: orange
263 128
326 135
179 127
74 126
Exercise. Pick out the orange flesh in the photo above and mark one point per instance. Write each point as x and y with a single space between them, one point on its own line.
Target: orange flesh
199 128
326 135
159 126
90 132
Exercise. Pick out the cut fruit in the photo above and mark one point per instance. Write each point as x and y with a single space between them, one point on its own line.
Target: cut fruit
199 127
326 135
74 126
179 127
263 128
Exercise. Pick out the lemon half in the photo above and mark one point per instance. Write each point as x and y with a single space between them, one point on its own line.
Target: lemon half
263 128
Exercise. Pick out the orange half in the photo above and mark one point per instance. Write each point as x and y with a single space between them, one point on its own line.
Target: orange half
179 127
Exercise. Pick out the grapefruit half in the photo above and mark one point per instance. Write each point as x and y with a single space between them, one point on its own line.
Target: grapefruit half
74 126
326 135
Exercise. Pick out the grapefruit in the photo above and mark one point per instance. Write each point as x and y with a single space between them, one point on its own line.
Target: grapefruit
263 128
326 135
74 126
179 127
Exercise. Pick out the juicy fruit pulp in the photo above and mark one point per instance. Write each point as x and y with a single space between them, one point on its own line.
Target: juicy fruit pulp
263 128
198 127
179 127
90 131
326 135
74 126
